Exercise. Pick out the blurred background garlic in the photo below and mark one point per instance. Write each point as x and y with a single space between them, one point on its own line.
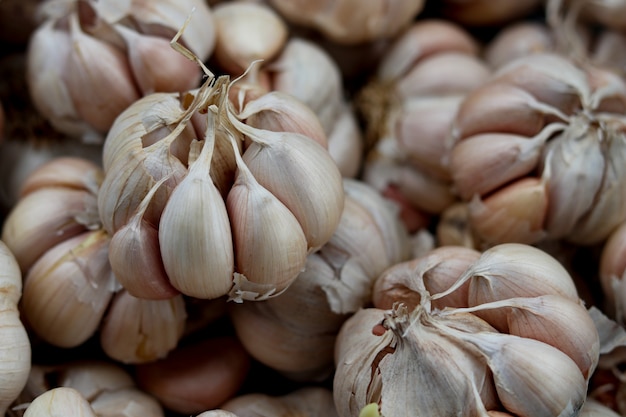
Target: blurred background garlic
89 60
408 107
505 322
294 333
197 376
537 152
290 64
476 13
518 39
107 387
305 402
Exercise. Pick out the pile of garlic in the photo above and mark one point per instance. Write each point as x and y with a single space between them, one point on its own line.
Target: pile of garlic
454 330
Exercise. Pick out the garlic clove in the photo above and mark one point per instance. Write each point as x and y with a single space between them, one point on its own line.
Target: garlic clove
156 66
61 401
247 32
515 213
72 279
64 171
281 112
454 229
302 174
306 401
532 378
269 244
135 256
519 39
195 235
127 402
98 79
345 143
44 218
136 330
434 272
510 156
92 377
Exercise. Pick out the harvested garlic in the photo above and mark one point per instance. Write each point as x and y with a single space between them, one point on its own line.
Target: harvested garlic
99 57
16 362
61 401
408 108
528 358
558 127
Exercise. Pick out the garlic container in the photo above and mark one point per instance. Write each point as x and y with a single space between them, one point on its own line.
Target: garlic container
89 60
409 106
459 332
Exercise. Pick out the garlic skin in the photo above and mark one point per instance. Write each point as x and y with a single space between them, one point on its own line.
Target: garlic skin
16 348
611 272
100 63
518 39
348 22
408 108
559 120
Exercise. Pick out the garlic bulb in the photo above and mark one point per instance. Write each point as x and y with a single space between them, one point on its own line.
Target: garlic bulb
61 401
409 107
197 376
336 282
224 181
15 345
348 22
304 402
537 362
540 128
88 60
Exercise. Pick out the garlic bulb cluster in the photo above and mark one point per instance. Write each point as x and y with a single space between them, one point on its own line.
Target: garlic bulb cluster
302 402
219 200
351 21
198 376
498 331
295 332
14 341
89 60
249 32
538 152
409 107
102 388
57 238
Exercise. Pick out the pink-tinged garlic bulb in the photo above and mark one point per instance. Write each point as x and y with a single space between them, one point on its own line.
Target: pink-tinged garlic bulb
487 13
336 282
409 106
507 344
89 60
227 197
349 21
538 152
14 341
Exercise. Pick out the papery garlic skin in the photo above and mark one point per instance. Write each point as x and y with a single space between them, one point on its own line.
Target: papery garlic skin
15 346
61 401
96 64
307 402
